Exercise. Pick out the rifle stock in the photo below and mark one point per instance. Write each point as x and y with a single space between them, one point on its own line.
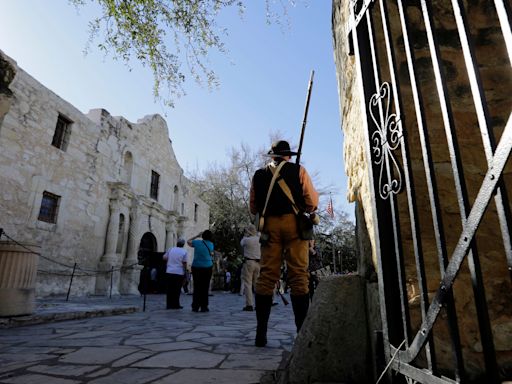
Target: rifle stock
304 120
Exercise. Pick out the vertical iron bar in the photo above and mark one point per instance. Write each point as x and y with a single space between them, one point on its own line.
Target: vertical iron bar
71 282
473 261
462 249
376 228
433 196
333 258
392 203
409 183
504 15
488 142
111 280
483 115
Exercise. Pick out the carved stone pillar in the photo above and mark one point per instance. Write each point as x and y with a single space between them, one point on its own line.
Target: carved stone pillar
112 230
108 282
131 275
170 233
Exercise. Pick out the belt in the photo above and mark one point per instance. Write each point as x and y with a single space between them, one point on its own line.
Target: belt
256 260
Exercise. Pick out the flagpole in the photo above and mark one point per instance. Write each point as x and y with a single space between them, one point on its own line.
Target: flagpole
333 257
330 208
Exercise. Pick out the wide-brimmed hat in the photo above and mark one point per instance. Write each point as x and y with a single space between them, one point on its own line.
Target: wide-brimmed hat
281 148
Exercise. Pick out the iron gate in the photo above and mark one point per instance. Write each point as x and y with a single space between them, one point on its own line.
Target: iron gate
437 84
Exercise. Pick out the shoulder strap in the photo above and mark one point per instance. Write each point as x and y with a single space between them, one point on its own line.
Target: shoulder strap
285 189
275 173
207 247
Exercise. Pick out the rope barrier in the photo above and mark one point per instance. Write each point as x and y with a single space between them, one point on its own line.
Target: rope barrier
87 272
390 361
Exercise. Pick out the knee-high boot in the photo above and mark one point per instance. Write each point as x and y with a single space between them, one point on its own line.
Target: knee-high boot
263 306
300 304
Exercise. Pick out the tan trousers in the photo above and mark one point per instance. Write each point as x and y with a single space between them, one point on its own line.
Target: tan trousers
284 242
250 273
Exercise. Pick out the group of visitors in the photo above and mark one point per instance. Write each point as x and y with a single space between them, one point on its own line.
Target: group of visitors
202 266
278 192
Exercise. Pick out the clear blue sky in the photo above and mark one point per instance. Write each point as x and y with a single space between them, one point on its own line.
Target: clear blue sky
263 83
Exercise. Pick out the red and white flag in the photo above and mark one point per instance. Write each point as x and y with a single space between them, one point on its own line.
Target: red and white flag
330 210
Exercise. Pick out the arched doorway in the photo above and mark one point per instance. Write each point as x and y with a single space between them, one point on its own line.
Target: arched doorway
152 276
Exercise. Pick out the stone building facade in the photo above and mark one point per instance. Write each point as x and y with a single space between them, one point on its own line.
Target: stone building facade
91 190
486 36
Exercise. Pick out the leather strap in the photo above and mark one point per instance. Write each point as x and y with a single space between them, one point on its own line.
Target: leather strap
275 173
285 187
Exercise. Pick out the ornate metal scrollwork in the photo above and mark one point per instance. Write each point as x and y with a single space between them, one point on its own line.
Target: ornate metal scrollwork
384 140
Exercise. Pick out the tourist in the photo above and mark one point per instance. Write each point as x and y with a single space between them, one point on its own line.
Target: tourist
176 258
202 266
251 267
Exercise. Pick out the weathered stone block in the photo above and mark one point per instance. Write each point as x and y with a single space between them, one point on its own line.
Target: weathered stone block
332 345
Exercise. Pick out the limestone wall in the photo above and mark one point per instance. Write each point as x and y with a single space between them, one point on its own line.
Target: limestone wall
350 94
104 155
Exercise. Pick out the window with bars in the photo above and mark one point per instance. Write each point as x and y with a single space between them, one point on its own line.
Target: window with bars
49 208
62 133
155 180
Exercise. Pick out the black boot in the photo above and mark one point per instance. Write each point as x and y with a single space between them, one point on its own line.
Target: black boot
300 304
263 306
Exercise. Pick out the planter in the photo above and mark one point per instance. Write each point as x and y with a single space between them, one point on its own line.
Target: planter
18 269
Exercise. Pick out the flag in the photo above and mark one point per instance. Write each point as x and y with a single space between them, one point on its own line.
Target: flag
330 209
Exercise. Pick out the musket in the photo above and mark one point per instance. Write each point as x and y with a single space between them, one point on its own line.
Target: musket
285 301
304 120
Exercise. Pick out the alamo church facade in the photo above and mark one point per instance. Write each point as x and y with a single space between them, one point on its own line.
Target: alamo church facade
91 190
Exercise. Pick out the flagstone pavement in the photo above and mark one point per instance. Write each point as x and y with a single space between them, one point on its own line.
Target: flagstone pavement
112 340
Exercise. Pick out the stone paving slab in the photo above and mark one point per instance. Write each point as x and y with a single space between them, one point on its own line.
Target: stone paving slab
151 346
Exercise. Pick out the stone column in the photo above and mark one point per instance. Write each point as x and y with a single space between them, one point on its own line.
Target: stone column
133 237
170 230
112 230
130 276
108 282
181 226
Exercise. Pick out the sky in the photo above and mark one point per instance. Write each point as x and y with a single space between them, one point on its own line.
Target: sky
263 83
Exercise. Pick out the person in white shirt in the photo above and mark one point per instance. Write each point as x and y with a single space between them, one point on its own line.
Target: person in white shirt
176 267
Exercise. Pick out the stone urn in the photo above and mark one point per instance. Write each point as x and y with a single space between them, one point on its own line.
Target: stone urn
18 269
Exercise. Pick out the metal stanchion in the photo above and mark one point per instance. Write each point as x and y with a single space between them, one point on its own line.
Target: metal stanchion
111 279
71 282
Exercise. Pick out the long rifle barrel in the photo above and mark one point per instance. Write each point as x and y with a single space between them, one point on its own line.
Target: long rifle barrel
304 120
